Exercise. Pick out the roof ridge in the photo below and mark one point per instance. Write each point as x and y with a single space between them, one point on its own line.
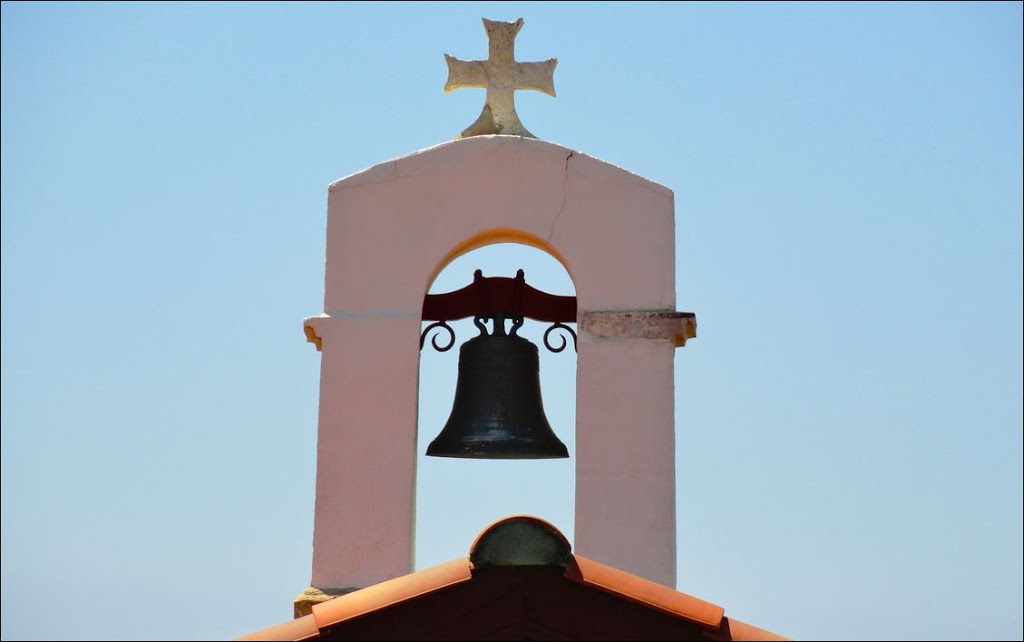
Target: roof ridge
643 591
578 569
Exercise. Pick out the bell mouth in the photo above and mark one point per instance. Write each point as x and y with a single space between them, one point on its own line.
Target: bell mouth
492 450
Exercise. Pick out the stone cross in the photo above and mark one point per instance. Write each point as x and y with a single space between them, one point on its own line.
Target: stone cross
501 75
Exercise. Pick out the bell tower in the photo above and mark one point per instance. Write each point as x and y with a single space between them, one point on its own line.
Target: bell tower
393 227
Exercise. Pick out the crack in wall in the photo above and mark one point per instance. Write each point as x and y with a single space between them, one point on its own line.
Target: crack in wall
561 210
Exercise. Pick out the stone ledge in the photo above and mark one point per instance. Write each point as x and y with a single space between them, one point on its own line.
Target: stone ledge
672 326
306 600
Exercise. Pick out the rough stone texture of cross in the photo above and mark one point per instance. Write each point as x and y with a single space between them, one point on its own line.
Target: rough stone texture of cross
501 76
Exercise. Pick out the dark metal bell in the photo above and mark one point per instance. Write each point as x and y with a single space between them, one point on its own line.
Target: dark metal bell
498 413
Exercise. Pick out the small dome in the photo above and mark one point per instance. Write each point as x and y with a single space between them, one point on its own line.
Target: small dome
520 540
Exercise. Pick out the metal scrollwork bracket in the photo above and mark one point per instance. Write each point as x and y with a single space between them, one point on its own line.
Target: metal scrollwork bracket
497 299
433 341
565 342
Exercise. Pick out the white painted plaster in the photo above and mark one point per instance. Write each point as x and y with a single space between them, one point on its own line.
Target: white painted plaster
391 229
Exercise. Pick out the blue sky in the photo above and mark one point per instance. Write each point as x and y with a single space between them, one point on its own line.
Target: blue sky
849 221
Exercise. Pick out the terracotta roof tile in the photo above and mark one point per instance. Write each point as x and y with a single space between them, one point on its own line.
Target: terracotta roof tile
580 570
743 631
379 596
646 592
301 628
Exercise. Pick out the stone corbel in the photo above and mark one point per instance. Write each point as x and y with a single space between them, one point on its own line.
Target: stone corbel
313 335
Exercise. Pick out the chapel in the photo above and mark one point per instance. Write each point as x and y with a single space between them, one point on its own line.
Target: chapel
391 229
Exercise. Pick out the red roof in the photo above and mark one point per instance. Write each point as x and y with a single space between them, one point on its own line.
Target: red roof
521 581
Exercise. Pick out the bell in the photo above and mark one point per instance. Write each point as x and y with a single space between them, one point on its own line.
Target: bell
498 413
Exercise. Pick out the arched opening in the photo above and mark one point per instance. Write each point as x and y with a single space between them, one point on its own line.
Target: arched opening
456 498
